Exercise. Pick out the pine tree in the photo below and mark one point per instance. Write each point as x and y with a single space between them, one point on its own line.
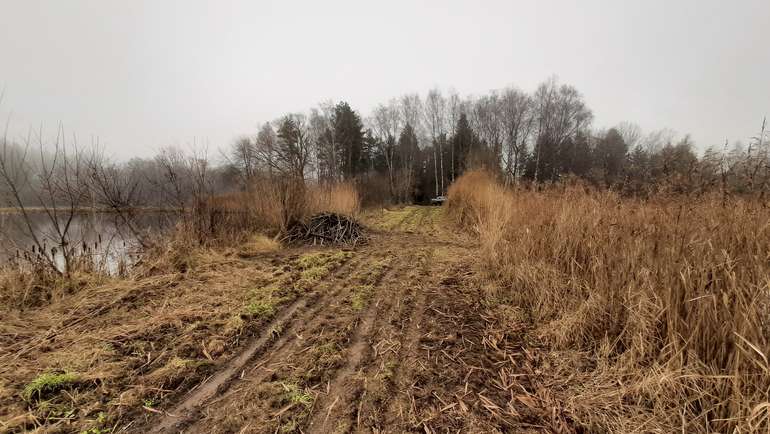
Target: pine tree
349 133
465 142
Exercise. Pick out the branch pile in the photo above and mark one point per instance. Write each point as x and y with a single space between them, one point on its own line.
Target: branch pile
326 228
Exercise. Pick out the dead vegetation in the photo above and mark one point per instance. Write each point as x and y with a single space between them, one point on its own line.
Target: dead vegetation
325 228
567 311
110 352
653 313
91 352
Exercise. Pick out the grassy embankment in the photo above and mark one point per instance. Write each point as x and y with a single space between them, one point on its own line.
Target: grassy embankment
90 351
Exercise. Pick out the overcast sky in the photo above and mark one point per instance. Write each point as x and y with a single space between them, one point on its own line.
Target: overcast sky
145 74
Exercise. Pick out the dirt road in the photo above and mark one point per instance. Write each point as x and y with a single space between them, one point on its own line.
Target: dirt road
394 341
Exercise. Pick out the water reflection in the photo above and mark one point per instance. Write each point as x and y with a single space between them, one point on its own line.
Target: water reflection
104 236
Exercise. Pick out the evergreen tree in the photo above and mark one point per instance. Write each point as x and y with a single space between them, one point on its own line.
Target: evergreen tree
349 134
465 142
406 158
577 155
610 155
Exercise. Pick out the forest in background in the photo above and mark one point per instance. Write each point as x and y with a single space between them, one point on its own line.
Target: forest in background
411 148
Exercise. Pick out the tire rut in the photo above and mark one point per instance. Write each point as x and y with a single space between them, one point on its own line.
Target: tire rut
384 377
209 388
338 404
337 367
272 393
186 410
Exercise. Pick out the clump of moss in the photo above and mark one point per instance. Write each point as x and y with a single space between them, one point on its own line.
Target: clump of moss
48 383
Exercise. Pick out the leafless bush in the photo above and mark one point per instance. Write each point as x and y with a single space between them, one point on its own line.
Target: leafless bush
54 178
117 189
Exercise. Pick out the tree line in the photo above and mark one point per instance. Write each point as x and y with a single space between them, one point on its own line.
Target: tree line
413 147
410 148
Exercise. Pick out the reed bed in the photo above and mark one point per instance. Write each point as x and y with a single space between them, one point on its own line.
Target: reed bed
653 314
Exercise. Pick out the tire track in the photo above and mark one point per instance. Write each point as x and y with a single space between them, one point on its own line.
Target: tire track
186 410
337 409
271 395
401 335
331 363
183 411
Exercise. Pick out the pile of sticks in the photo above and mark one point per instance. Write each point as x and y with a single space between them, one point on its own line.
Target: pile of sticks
326 228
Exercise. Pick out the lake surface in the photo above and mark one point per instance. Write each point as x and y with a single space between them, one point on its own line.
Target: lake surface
103 235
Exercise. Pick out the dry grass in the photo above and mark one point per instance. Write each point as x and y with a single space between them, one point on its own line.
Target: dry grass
341 198
102 355
273 204
136 340
656 312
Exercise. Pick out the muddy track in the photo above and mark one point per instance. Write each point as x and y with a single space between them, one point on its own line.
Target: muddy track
187 408
210 387
306 356
339 408
396 341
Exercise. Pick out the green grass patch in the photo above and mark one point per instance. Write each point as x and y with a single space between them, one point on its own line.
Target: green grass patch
316 266
295 395
322 259
261 309
262 302
311 260
361 296
48 383
315 274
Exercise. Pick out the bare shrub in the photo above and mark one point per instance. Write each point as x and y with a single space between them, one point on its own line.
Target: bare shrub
52 178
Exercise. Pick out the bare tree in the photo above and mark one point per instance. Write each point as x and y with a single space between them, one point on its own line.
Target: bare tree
243 157
488 121
323 135
518 120
454 109
434 110
184 180
630 132
264 148
411 111
118 189
386 124
294 147
560 114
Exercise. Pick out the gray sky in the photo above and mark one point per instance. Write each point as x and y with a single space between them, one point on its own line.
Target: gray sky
144 74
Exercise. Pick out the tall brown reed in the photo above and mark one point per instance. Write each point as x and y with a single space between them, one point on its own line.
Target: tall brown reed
668 297
274 203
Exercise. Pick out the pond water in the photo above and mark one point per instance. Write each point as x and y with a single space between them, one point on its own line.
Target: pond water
103 235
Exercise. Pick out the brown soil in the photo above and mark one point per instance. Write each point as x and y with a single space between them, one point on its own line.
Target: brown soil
391 338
